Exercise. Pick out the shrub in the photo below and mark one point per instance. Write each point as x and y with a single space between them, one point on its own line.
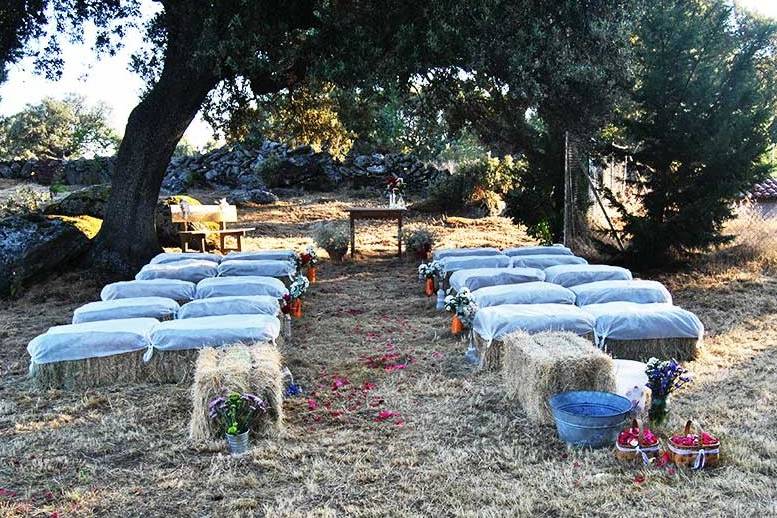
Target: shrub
478 184
334 237
419 241
754 239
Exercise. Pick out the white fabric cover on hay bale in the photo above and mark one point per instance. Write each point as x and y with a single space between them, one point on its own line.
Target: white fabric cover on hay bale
637 290
468 262
523 293
494 322
248 285
639 331
491 324
569 275
192 270
442 253
277 255
539 366
233 305
545 261
160 308
629 374
237 368
180 291
256 267
477 278
218 331
556 249
173 257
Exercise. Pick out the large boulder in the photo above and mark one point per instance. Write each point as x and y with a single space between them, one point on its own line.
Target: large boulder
34 245
84 202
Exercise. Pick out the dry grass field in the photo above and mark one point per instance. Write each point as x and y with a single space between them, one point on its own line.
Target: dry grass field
411 430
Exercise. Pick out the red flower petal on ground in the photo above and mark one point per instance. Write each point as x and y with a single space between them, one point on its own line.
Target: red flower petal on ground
339 382
663 460
367 386
437 355
312 404
399 422
383 415
639 478
7 493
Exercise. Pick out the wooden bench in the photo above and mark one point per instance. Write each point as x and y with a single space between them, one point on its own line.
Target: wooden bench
208 214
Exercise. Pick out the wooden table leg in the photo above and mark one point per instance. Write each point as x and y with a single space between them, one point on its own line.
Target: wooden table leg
399 237
353 238
221 243
240 242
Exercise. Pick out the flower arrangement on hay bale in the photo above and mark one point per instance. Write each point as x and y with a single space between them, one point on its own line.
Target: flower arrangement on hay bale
463 307
307 261
664 377
429 273
419 242
334 237
234 414
291 303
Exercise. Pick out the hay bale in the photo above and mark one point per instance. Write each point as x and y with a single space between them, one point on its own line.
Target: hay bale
492 355
681 349
239 368
536 367
164 367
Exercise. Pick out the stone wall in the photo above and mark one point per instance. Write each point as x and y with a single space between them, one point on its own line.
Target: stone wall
251 173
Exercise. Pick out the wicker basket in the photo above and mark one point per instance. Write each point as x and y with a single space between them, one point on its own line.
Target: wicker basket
638 448
697 456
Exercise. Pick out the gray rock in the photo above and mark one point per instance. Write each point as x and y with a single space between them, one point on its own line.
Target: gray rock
260 196
31 246
90 201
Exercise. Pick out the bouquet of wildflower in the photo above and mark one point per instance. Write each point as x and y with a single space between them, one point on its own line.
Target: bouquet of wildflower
664 377
235 413
430 270
307 258
298 287
395 185
462 304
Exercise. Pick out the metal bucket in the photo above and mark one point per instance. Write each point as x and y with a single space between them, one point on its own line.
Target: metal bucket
588 418
238 444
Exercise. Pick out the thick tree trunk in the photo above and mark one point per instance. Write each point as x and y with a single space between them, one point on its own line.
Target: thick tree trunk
128 238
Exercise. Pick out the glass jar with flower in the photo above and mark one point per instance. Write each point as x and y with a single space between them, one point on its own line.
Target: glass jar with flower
664 377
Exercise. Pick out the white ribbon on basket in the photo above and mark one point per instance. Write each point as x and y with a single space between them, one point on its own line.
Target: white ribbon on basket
638 449
701 454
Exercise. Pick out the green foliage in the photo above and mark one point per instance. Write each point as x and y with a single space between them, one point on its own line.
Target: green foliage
542 231
702 118
23 200
334 237
271 170
59 129
481 181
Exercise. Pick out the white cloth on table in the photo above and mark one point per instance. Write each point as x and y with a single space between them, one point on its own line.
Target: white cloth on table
118 309
556 249
569 275
456 263
636 290
545 261
247 285
496 321
168 288
91 340
192 270
634 321
462 252
481 277
257 267
173 257
524 293
231 305
217 331
260 255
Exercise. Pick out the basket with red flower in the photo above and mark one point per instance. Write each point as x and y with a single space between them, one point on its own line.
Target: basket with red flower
637 442
694 450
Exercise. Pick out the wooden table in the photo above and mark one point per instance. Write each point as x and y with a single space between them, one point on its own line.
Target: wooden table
375 213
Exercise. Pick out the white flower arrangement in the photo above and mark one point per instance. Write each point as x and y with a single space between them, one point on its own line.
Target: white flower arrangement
430 270
462 305
298 287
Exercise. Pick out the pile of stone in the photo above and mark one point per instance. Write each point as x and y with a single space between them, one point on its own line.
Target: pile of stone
248 172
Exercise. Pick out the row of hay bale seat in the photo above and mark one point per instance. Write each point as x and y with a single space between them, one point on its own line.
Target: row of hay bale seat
150 328
641 321
138 349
